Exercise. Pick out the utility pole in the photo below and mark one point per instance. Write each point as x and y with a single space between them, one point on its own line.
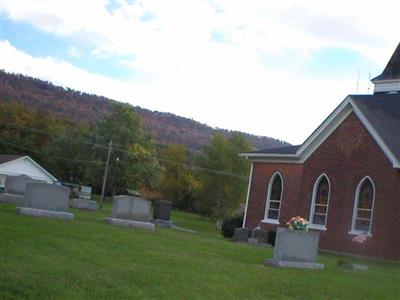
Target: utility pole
103 189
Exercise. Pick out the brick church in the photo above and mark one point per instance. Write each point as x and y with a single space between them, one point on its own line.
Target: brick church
345 178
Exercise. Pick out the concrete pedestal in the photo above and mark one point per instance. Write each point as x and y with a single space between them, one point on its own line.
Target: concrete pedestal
84 204
130 223
44 213
294 264
162 223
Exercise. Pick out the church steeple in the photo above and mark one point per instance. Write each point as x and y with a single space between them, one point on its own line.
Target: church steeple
389 80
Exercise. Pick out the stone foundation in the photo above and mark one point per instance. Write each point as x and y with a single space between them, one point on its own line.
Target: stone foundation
130 223
294 264
45 213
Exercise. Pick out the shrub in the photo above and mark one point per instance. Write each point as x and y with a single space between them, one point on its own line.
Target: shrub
229 224
343 263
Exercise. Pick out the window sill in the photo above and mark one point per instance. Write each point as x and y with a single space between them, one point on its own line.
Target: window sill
359 232
270 221
317 227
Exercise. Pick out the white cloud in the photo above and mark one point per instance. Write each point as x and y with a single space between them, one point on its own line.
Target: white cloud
187 73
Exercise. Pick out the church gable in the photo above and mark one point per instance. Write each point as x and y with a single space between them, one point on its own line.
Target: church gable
349 145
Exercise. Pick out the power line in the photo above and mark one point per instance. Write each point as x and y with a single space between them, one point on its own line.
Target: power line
54 156
53 134
187 165
136 154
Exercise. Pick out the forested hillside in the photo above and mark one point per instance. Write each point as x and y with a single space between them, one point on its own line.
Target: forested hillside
73 105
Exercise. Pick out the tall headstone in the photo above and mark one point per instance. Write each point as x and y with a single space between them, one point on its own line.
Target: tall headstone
241 235
162 210
14 191
260 235
84 201
85 192
17 184
132 212
46 200
162 213
295 249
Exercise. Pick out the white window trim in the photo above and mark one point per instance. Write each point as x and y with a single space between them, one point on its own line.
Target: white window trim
313 199
271 181
353 223
317 227
359 232
270 221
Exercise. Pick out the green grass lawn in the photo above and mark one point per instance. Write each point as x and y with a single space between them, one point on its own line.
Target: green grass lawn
88 259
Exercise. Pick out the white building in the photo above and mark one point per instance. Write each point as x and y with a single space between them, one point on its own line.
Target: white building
15 165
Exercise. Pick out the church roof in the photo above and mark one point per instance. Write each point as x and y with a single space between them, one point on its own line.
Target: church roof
380 114
392 70
383 113
279 150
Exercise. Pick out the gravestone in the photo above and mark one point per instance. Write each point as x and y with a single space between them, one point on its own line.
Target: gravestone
17 184
84 201
84 204
85 192
162 210
260 235
241 235
15 187
295 249
46 200
131 211
162 213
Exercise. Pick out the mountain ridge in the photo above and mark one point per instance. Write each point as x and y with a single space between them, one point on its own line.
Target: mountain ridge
78 106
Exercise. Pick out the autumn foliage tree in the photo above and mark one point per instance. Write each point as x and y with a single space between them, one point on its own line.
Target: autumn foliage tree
133 161
177 182
223 176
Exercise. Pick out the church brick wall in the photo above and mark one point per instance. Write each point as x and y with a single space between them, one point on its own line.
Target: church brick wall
346 157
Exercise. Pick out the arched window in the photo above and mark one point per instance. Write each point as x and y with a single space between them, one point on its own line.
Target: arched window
274 196
363 207
320 202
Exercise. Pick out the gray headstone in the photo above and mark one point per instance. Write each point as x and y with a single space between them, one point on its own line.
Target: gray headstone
131 208
12 199
17 184
252 241
359 267
260 235
296 246
85 192
241 235
162 210
84 204
47 196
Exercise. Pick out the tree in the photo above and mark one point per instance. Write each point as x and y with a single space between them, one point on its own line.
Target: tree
68 154
177 182
223 176
132 162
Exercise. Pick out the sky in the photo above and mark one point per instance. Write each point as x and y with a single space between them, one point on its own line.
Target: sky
270 68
